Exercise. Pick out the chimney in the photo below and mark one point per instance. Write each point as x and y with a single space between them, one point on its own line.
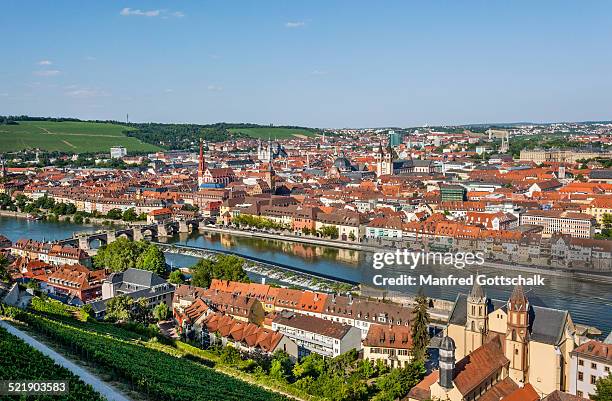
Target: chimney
447 362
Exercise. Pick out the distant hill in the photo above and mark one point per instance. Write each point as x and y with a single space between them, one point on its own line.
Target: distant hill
274 132
72 135
68 136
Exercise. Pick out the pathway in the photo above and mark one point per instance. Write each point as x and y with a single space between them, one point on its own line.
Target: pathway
101 387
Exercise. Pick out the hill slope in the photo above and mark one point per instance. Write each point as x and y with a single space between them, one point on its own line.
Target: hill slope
77 137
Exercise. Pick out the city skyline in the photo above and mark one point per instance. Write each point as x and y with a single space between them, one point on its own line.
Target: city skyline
324 65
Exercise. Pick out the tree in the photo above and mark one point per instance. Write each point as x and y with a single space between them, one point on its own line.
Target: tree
312 365
4 264
161 312
281 366
119 308
399 381
603 389
225 267
152 259
420 331
140 312
329 231
114 214
129 215
176 277
123 254
607 220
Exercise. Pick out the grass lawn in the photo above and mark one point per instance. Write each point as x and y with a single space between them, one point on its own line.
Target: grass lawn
76 137
273 132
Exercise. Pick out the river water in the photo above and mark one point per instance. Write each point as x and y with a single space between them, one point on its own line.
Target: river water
588 302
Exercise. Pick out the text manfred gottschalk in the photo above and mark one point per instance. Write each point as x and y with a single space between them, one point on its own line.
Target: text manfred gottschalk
401 269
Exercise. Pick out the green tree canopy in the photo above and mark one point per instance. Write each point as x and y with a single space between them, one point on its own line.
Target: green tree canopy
161 312
603 389
4 264
123 254
420 331
119 308
225 267
152 259
176 277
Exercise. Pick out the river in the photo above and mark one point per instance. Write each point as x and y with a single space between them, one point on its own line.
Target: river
588 302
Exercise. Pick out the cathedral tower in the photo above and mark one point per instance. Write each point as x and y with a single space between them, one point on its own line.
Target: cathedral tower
476 323
201 165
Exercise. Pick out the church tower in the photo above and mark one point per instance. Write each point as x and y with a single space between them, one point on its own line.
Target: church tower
271 175
476 324
201 165
447 363
384 161
517 335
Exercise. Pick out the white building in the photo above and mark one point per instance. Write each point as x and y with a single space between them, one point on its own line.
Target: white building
312 334
590 362
117 152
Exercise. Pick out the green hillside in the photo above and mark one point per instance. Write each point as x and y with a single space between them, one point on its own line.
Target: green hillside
76 137
273 132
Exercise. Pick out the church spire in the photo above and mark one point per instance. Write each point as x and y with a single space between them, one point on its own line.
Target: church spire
201 164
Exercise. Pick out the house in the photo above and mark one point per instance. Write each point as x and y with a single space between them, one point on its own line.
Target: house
50 253
362 312
159 215
76 281
590 362
313 334
492 221
247 308
389 344
247 337
385 228
136 284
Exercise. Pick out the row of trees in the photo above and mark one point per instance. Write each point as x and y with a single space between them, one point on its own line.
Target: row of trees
261 223
52 209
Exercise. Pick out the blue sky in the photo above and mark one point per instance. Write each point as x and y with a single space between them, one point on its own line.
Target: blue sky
315 63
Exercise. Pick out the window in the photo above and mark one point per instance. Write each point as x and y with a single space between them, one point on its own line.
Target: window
580 376
593 379
580 362
593 365
579 393
607 369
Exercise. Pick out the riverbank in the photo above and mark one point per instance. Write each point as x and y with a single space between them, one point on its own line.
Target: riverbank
293 238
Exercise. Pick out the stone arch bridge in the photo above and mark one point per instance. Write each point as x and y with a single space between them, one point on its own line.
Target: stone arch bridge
85 240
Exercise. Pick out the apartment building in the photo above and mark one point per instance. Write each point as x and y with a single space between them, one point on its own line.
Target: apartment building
579 225
313 334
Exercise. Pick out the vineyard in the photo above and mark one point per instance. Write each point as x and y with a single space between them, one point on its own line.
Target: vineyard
157 374
19 361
